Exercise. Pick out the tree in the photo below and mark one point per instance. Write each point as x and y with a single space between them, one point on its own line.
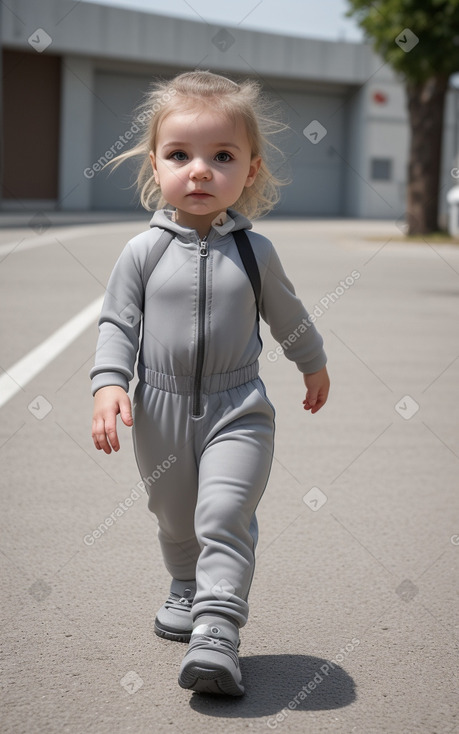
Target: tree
420 40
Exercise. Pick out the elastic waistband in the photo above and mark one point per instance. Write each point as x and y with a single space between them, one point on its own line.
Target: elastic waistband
209 384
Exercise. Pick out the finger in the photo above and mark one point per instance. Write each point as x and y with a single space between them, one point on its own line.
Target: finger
96 442
100 442
100 436
310 401
126 414
321 400
112 436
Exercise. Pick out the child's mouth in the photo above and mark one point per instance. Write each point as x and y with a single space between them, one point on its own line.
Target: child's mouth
199 194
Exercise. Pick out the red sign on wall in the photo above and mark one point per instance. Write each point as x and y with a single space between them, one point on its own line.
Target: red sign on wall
379 97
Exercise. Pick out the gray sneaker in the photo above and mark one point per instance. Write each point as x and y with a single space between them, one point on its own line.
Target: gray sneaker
211 664
173 621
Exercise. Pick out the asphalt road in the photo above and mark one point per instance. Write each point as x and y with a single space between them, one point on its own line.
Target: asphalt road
354 607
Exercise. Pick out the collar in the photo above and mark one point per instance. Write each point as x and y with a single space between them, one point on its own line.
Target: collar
225 222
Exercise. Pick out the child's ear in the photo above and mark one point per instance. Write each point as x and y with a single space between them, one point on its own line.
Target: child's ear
255 164
153 165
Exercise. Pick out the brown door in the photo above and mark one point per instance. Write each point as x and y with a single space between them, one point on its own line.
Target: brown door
30 125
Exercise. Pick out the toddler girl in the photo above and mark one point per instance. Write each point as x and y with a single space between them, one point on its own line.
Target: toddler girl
196 281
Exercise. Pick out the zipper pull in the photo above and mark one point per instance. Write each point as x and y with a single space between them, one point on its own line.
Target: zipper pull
203 250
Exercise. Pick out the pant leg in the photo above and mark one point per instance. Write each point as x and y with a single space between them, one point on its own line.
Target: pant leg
233 473
164 451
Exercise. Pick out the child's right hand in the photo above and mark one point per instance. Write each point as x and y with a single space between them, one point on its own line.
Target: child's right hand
108 402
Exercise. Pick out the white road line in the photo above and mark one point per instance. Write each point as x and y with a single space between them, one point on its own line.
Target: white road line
66 233
25 370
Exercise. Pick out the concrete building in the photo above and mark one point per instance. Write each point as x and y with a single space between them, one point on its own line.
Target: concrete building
74 72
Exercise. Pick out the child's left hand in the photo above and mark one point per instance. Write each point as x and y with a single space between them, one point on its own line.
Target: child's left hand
318 385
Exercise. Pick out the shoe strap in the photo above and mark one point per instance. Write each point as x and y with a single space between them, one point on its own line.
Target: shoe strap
210 642
176 602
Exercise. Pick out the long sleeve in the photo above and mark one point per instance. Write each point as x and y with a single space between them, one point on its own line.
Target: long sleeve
288 319
119 325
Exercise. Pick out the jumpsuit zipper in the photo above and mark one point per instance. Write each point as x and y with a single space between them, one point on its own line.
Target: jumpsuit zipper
203 254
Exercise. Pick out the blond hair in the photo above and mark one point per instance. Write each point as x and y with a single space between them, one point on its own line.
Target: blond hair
193 90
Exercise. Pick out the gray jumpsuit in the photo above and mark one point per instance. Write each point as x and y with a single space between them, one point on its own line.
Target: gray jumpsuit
203 426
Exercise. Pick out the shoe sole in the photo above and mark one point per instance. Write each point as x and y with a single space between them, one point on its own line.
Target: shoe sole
209 680
171 635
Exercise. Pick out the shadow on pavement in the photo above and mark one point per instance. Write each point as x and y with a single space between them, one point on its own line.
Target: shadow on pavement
273 681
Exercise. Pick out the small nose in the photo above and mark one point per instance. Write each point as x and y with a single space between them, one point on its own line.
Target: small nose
199 169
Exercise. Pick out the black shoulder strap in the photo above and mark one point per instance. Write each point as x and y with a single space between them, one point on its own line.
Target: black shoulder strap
153 258
155 255
250 264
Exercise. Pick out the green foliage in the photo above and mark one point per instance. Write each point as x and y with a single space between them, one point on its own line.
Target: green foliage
434 22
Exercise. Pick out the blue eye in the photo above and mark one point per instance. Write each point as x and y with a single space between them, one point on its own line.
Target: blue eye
225 159
179 155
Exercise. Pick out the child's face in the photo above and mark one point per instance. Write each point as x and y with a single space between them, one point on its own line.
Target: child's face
202 163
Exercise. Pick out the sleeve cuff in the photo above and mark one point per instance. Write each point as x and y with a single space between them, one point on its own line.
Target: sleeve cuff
104 379
314 365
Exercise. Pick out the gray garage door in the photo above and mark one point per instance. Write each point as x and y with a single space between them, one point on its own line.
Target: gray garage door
314 162
315 158
116 96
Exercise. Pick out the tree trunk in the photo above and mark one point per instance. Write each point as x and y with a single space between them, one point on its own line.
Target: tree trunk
426 104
